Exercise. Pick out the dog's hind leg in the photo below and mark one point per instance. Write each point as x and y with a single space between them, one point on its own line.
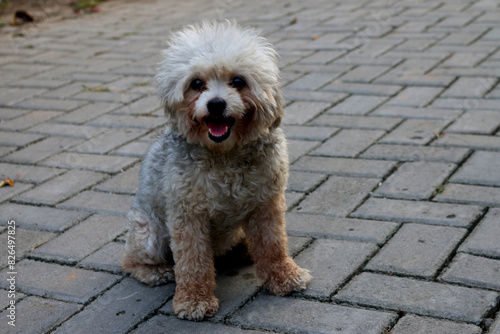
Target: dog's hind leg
147 257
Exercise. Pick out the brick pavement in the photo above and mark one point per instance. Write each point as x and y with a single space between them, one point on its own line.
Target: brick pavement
393 116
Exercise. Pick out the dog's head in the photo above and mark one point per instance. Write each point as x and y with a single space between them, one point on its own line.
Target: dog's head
220 85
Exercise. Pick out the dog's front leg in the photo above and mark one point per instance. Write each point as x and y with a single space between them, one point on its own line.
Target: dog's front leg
194 269
266 235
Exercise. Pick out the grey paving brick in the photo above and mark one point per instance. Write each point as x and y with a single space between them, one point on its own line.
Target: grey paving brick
338 196
313 96
473 271
44 315
99 202
357 105
417 250
480 142
144 106
419 80
108 140
312 81
18 139
49 104
415 66
418 212
362 88
464 59
129 121
415 180
309 132
466 103
300 112
484 238
415 131
411 112
322 57
348 143
364 73
10 113
332 262
420 325
321 226
107 258
28 120
419 297
482 168
81 240
292 199
297 148
67 130
27 216
60 282
123 183
415 96
41 150
134 149
105 96
119 309
9 96
470 87
344 167
25 241
357 122
468 194
87 112
10 192
100 163
296 316
495 328
477 122
415 153
171 324
61 187
304 182
25 173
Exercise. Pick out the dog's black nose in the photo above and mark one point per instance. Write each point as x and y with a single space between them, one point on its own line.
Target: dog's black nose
216 106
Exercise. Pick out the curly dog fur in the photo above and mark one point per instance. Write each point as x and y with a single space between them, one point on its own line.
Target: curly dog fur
216 177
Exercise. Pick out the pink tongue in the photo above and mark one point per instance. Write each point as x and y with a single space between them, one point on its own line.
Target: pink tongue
217 129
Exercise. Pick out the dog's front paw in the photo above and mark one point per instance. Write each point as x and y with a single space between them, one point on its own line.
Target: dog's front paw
196 309
291 278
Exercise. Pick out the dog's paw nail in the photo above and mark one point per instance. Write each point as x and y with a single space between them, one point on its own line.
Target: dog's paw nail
196 310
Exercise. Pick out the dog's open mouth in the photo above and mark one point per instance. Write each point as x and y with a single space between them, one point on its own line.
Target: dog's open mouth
219 128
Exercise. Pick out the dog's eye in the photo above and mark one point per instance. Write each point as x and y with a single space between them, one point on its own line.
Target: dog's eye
196 84
238 82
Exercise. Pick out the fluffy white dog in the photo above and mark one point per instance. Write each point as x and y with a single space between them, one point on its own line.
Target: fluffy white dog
217 175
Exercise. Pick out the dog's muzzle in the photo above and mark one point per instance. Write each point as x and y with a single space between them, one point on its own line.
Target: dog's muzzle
219 126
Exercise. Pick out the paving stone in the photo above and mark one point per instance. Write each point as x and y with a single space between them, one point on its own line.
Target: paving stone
423 80
172 324
67 130
362 88
332 262
28 120
467 194
59 282
118 310
416 180
338 196
466 103
495 328
297 148
10 192
482 168
415 66
87 112
305 95
61 187
484 238
18 139
312 81
292 199
107 258
415 153
100 163
417 250
414 131
344 167
40 315
81 240
302 316
9 96
479 142
473 271
477 122
300 112
415 96
321 226
357 122
144 106
470 87
99 202
134 149
420 325
357 105
29 217
10 113
123 183
410 112
5 300
304 182
41 150
49 104
128 121
318 133
364 73
25 173
348 143
108 140
464 59
25 241
418 212
419 297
